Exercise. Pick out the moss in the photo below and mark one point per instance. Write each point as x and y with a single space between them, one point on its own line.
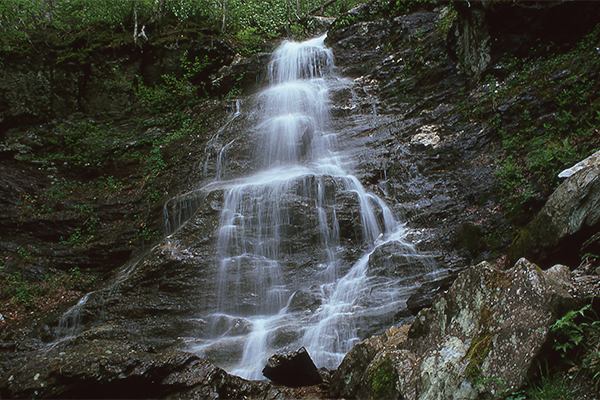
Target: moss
479 350
382 378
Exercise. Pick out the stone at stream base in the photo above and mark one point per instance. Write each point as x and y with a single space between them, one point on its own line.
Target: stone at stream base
478 340
293 370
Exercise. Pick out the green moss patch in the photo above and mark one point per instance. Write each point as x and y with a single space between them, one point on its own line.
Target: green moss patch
382 378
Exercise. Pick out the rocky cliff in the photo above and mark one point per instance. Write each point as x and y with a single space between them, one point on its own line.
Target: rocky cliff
461 122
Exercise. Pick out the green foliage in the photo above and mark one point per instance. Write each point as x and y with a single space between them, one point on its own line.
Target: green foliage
174 93
249 39
549 386
83 235
23 292
21 19
154 162
74 279
511 175
576 338
395 7
147 235
82 144
447 19
25 254
342 22
165 97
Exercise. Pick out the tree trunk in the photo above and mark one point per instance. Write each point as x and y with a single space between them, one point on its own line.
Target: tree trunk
224 25
321 7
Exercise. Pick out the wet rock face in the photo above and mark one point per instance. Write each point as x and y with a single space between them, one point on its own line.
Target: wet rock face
479 338
569 220
428 292
473 42
411 148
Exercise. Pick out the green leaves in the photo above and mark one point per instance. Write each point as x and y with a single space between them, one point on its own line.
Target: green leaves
19 19
576 337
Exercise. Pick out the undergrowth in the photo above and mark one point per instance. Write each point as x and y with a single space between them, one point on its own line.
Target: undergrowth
19 290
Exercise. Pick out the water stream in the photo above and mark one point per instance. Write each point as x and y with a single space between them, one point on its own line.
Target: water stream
262 226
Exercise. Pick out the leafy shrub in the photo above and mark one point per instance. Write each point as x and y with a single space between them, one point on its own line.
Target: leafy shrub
576 337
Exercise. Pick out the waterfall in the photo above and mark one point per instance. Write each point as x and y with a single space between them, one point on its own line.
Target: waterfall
261 223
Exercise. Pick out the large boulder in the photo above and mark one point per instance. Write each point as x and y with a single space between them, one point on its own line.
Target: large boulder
478 339
568 220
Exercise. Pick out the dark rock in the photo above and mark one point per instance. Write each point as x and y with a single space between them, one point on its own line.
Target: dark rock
304 300
246 73
396 259
428 292
591 248
486 30
292 370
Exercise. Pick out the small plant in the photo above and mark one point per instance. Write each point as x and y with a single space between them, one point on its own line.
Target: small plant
24 254
577 341
20 290
249 39
109 183
447 19
147 235
342 22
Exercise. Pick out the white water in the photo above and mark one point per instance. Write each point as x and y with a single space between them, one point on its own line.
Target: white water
297 154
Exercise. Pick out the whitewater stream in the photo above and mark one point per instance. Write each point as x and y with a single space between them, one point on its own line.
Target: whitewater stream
258 310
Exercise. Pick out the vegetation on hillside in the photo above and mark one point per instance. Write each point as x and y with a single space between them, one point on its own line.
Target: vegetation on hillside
21 19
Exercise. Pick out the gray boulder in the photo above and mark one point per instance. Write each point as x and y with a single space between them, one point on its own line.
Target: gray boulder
478 339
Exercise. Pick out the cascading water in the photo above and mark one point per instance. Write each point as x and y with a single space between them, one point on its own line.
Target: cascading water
299 169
